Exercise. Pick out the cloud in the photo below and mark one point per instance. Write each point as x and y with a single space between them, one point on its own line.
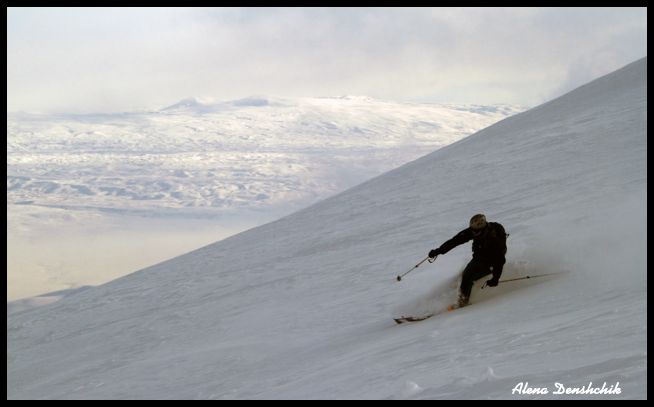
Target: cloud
122 59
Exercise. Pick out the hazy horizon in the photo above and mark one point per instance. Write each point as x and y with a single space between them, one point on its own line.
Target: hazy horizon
89 60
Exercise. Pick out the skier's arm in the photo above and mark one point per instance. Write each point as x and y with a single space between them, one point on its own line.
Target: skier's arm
497 271
500 251
462 237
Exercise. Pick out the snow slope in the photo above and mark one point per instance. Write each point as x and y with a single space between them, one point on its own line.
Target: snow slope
302 307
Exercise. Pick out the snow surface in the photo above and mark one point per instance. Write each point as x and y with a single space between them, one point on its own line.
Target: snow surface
193 173
302 307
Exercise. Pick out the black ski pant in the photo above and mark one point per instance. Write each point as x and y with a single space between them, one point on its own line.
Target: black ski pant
475 270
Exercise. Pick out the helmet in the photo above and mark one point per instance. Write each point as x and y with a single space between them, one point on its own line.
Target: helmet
478 222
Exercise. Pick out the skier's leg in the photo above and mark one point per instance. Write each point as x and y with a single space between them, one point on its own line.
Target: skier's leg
473 271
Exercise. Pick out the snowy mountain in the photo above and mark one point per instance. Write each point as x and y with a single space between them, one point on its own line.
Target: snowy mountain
199 156
302 307
134 189
194 105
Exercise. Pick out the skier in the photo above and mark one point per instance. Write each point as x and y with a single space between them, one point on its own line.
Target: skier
488 253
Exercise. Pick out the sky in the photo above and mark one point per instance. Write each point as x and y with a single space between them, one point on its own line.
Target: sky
82 60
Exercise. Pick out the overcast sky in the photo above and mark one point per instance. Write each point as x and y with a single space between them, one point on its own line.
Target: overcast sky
82 60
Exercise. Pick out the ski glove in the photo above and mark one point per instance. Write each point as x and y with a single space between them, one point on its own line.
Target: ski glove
492 282
434 253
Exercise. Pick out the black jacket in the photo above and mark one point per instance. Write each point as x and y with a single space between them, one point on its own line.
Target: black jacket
489 247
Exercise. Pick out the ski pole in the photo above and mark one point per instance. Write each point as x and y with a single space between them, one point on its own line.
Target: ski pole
399 278
523 278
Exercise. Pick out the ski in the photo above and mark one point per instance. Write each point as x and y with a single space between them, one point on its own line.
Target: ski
404 319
